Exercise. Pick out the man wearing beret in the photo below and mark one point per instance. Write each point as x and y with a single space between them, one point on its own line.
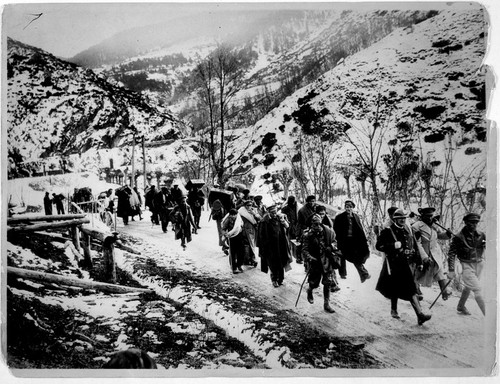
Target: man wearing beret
427 236
468 246
351 240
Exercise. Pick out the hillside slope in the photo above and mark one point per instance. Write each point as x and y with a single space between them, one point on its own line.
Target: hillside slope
423 85
55 107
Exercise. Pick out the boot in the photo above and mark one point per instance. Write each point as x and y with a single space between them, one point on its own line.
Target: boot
421 317
326 295
461 309
394 308
310 297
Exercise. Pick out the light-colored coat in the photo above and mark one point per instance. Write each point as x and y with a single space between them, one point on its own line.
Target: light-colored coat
250 221
428 247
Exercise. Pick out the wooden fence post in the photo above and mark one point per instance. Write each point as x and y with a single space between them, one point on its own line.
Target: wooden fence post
87 255
108 252
75 236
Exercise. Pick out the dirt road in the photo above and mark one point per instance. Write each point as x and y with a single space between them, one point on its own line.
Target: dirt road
463 344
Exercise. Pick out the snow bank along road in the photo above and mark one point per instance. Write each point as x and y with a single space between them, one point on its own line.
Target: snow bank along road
362 316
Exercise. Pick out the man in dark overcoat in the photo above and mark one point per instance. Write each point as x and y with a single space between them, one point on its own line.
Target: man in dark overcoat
396 278
182 218
149 201
272 240
351 240
124 208
47 204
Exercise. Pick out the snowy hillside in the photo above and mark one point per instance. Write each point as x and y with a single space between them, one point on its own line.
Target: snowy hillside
430 88
55 107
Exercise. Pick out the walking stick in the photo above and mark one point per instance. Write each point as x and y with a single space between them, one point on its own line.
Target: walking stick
439 225
440 293
302 286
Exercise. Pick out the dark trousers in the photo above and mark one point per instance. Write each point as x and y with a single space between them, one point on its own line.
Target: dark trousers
343 268
277 274
236 251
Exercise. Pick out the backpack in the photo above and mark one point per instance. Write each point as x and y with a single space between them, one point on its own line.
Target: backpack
217 212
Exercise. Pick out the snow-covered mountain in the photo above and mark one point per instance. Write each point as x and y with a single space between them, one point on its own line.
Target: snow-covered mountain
56 107
283 50
422 87
418 95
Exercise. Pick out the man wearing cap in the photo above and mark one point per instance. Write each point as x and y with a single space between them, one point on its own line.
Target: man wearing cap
433 259
243 198
396 278
273 243
351 240
318 249
468 246
414 262
303 221
259 206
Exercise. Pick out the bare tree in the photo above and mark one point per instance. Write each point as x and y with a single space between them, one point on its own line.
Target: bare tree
219 79
368 141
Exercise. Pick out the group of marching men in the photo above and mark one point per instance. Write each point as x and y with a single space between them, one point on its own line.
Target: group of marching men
173 205
412 255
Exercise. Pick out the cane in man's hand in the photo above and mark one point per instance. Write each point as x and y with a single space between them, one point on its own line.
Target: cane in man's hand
448 231
302 286
440 293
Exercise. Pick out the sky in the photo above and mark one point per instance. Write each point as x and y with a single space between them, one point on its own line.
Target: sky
65 29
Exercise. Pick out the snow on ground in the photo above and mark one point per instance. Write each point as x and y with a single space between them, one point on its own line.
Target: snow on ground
31 190
362 314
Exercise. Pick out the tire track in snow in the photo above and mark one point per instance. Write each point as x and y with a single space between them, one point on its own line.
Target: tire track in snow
238 326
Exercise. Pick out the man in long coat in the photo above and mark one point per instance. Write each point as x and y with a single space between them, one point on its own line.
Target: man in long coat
123 209
318 248
149 201
182 217
396 278
351 240
433 259
273 242
47 204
